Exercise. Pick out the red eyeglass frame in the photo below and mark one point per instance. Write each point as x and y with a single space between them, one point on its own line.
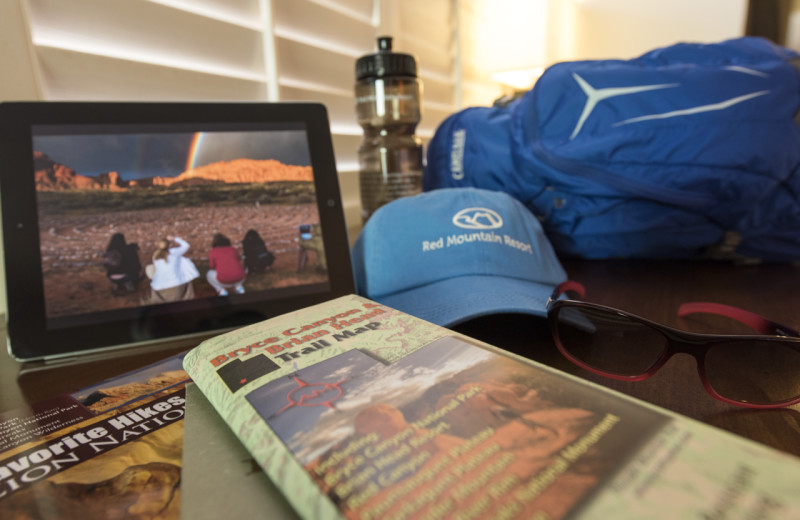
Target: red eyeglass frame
678 341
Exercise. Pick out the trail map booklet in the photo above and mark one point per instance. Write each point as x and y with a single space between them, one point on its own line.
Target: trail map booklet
112 450
213 461
355 410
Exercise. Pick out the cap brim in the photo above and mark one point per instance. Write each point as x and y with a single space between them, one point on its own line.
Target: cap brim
456 300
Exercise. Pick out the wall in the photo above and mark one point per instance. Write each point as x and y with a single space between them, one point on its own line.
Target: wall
624 29
16 59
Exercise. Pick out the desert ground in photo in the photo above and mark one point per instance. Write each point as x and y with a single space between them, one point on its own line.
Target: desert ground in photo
72 249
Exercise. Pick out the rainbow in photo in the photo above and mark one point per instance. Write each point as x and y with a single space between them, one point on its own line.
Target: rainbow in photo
194 147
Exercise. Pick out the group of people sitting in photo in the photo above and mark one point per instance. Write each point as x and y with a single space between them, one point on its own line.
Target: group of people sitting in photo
171 273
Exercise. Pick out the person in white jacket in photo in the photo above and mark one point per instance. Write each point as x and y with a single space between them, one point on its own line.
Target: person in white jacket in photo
172 276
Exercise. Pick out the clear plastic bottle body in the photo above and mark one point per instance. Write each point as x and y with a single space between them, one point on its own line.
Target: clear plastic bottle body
390 155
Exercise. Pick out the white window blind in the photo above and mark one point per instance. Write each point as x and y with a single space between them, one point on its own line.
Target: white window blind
426 29
317 44
243 50
148 50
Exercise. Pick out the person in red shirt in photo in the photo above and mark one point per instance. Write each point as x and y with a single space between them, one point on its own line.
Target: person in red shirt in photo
225 266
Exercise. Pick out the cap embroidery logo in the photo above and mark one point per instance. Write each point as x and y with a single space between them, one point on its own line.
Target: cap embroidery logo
477 218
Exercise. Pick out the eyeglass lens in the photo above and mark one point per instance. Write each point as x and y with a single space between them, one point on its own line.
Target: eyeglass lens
754 371
745 370
609 342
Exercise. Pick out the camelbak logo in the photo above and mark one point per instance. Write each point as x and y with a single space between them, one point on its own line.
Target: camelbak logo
457 154
477 218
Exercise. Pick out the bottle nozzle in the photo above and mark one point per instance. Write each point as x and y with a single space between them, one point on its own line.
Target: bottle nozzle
385 43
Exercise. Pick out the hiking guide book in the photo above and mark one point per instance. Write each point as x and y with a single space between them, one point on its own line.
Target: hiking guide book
111 450
356 410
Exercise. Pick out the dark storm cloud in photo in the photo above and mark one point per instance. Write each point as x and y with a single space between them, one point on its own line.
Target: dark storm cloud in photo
137 156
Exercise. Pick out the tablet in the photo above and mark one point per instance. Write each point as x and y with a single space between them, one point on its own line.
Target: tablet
123 223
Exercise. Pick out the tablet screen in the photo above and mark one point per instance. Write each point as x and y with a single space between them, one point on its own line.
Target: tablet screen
155 224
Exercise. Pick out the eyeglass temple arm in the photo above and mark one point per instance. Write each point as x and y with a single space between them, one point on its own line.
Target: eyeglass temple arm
571 286
751 319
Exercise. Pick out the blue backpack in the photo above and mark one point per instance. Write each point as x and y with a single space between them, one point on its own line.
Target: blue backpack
689 150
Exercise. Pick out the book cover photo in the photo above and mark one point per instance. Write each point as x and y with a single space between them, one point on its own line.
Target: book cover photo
112 450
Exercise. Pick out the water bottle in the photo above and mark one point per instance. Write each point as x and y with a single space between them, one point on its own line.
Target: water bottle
388 109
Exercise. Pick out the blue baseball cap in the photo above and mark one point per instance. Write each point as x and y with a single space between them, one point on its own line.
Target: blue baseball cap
451 255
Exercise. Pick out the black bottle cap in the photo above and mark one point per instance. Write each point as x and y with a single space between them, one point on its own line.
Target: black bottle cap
385 62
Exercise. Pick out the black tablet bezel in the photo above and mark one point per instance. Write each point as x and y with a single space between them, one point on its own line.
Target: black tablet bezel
28 337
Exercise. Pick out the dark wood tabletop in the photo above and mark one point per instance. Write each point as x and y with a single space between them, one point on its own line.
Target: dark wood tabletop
655 290
652 289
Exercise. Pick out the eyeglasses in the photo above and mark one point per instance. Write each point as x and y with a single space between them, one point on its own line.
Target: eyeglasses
744 370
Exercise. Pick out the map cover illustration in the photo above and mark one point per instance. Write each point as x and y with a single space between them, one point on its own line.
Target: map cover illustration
480 432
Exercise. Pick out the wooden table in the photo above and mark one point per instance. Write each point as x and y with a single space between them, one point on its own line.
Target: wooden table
649 288
654 290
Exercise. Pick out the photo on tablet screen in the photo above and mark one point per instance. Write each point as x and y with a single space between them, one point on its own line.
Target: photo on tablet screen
108 202
129 223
